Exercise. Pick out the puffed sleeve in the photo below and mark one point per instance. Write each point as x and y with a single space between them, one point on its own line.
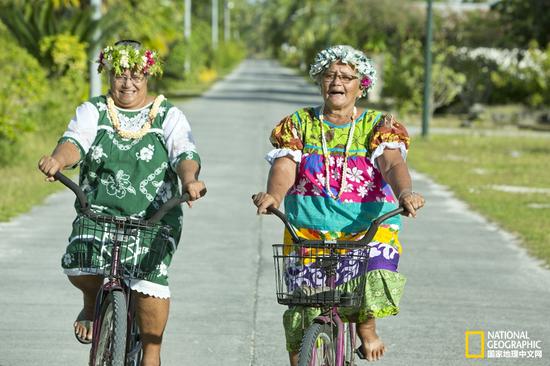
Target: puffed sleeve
178 138
388 134
82 128
287 140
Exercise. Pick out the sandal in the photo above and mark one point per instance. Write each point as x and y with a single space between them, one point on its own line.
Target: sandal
86 324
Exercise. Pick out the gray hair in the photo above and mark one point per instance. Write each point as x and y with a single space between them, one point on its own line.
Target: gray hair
347 55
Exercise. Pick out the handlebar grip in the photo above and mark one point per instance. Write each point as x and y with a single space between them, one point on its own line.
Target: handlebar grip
67 182
170 204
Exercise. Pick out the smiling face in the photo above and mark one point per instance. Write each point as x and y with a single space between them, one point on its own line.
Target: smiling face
340 86
129 90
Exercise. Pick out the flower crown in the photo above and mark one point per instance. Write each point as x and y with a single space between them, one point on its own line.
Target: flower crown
121 57
347 55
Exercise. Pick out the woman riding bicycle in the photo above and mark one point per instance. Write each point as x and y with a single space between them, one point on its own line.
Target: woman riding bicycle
338 167
131 148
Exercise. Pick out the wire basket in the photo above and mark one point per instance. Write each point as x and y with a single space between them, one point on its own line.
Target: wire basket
320 275
142 247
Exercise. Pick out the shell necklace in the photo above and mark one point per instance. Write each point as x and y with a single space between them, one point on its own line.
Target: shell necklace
326 154
113 116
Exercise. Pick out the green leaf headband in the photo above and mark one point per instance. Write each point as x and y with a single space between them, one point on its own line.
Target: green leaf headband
129 56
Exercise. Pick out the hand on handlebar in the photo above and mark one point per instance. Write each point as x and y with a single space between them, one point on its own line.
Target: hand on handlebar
411 202
49 166
263 200
194 189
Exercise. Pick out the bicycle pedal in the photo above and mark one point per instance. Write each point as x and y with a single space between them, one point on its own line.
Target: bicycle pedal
360 354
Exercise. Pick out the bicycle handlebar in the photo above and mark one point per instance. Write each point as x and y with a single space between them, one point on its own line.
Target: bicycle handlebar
364 241
85 206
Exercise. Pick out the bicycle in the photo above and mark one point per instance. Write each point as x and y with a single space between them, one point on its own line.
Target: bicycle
115 337
310 273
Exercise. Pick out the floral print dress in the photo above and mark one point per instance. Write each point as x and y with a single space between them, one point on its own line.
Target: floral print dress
129 177
366 196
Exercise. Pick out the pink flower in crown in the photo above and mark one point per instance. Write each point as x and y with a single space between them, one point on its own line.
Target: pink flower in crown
150 59
366 82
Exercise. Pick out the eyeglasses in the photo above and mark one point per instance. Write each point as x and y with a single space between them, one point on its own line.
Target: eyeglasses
344 78
136 79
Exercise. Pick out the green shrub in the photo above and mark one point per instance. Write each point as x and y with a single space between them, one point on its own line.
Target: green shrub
228 55
23 85
404 78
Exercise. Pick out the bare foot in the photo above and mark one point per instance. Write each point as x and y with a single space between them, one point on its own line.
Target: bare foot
373 347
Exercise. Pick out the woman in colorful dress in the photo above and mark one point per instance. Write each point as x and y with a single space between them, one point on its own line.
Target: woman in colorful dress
337 167
131 148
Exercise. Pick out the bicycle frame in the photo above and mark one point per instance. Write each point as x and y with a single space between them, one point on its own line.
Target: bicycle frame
116 280
329 314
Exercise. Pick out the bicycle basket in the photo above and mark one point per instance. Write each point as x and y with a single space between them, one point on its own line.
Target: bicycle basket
319 276
142 247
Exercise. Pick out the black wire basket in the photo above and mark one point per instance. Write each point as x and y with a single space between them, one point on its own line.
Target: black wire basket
143 246
318 276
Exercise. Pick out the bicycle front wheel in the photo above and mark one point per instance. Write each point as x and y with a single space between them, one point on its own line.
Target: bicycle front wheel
111 344
318 346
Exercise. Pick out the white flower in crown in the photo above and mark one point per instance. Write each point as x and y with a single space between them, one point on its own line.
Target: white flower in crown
124 62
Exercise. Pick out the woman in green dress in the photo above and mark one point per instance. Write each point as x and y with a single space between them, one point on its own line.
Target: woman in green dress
337 167
131 148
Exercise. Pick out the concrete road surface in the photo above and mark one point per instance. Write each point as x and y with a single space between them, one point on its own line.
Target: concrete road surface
464 274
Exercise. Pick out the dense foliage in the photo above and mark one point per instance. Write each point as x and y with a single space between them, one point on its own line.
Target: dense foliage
394 30
48 46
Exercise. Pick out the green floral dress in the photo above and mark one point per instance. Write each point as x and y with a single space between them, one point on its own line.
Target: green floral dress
128 177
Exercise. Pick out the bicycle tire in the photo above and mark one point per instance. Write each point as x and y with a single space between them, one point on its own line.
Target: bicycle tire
111 344
318 346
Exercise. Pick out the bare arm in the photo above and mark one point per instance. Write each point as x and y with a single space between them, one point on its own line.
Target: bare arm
281 177
188 172
65 155
395 171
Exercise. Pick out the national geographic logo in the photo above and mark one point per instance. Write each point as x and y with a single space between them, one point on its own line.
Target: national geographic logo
501 344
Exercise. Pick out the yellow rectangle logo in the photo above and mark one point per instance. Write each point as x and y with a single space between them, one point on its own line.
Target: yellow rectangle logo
481 335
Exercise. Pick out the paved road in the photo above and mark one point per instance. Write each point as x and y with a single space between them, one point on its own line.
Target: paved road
463 273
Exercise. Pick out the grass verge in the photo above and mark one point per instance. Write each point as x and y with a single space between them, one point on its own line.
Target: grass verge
483 170
23 186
